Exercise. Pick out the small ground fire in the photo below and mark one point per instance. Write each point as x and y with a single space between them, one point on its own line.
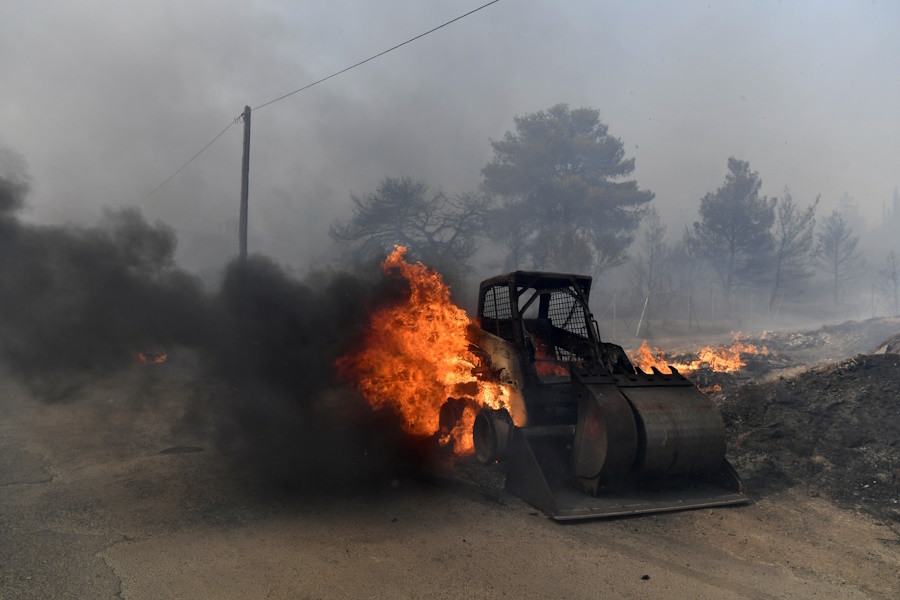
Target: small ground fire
151 358
415 356
725 359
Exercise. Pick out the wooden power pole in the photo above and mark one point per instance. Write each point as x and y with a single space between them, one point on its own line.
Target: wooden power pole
245 185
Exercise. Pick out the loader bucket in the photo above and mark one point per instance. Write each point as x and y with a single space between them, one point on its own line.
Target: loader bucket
538 472
643 443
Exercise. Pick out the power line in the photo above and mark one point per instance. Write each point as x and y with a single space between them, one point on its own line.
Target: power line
314 83
191 159
373 57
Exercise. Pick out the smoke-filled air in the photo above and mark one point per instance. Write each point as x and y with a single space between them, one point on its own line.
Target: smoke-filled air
330 287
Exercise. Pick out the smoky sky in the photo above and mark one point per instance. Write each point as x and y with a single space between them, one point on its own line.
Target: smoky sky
105 100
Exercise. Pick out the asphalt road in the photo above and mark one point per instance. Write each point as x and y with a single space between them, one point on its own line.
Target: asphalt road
106 497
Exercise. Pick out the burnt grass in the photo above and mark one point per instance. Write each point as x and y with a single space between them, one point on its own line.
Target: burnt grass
834 430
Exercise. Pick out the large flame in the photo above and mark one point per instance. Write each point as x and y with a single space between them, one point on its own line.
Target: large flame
725 359
415 355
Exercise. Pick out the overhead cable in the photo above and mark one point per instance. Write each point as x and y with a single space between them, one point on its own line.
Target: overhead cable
373 57
314 83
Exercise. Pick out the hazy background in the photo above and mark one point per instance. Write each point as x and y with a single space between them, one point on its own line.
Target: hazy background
104 100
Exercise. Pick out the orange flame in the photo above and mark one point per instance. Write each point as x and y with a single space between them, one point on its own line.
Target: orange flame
415 355
151 358
544 362
725 359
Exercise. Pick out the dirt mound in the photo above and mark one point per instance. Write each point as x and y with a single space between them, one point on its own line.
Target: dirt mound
830 342
835 429
889 346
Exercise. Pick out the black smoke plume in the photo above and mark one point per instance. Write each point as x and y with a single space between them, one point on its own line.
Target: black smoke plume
78 303
285 413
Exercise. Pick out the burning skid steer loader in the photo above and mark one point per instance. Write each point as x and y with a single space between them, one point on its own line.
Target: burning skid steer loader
588 435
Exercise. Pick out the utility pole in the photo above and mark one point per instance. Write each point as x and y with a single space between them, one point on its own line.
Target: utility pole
614 317
245 186
641 320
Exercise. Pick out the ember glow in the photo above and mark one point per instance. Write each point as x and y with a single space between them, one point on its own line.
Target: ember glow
725 359
415 356
151 358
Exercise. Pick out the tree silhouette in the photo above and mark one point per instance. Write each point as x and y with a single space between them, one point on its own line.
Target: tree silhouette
564 201
839 257
734 228
795 247
889 282
437 229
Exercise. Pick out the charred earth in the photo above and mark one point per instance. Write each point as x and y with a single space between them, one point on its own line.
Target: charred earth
834 429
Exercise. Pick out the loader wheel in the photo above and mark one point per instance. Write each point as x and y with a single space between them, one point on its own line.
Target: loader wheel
491 433
452 413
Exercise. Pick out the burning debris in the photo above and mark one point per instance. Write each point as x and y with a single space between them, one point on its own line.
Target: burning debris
415 355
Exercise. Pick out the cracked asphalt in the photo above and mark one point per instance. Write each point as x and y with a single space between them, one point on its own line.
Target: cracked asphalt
107 497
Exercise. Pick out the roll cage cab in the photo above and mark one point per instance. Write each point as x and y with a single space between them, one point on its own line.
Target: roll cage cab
547 316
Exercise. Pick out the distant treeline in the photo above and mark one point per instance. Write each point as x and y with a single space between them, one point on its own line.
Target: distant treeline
557 195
